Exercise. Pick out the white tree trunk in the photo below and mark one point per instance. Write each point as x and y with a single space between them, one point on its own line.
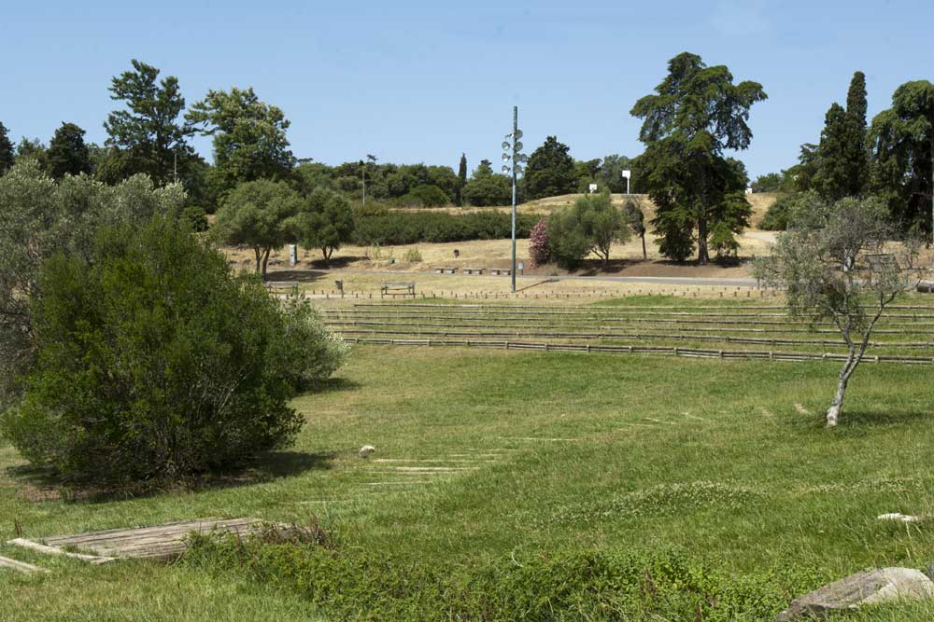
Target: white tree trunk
833 413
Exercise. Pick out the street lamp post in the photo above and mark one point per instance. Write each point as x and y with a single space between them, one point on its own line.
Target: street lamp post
512 152
626 176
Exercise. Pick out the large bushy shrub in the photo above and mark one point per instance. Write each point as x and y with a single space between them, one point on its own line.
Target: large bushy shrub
397 227
153 362
426 196
776 217
40 217
591 225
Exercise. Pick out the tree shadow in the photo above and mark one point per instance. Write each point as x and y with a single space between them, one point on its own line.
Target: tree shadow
861 419
295 276
37 485
332 385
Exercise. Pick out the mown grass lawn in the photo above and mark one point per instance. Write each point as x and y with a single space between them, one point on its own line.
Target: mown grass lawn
482 454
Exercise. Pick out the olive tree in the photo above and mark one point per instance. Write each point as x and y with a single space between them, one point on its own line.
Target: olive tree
324 221
592 225
837 262
256 214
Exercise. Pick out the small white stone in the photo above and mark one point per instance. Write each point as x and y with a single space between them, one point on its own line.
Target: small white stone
898 516
366 450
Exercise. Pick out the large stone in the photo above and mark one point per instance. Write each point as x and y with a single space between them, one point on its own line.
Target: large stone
863 588
926 287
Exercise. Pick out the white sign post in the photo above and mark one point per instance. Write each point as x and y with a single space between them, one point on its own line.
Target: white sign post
626 176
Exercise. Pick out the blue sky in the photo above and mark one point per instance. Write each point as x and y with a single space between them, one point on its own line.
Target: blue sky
423 81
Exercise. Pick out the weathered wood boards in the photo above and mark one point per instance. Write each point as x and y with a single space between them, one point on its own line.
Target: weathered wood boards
12 564
51 550
160 542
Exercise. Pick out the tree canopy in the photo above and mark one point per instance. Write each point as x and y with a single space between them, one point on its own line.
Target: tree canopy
324 221
67 154
902 140
148 134
7 156
695 114
550 171
248 134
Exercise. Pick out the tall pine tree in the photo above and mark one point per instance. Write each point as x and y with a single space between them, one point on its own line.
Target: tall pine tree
696 113
7 156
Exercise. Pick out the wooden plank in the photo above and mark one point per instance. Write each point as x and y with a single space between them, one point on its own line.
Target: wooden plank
116 535
51 550
12 564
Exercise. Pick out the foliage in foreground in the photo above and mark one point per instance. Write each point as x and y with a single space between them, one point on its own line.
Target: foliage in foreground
154 363
40 217
574 585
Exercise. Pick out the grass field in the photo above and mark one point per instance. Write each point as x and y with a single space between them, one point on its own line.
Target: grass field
483 455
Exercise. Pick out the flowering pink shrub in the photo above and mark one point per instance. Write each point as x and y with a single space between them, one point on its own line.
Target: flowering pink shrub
539 247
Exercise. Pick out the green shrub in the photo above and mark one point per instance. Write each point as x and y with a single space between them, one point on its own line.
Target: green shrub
412 256
196 218
592 224
426 196
573 585
154 363
397 227
776 217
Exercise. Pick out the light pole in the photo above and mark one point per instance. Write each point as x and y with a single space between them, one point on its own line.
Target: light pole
626 176
512 152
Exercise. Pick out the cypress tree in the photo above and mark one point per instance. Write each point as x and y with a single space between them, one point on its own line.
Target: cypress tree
844 154
7 158
834 176
462 178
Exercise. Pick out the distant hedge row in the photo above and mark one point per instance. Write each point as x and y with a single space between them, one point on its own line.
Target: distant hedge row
413 227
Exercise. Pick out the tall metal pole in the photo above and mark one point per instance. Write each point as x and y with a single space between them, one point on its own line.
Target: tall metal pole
364 184
515 152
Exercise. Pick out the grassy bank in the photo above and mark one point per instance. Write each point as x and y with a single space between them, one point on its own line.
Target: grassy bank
484 456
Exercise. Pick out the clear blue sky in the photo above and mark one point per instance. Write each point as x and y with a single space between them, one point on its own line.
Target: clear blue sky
423 81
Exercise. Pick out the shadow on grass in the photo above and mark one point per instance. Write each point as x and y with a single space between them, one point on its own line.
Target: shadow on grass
858 423
36 485
332 385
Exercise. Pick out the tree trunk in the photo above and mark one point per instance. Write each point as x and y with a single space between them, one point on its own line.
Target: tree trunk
265 262
703 256
644 254
327 257
833 413
259 261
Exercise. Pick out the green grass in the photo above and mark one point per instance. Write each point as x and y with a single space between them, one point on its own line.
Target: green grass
635 453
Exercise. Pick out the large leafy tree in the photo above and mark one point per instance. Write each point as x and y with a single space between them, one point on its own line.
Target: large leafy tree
696 113
148 136
7 156
257 214
249 136
903 143
550 171
844 157
67 154
487 188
